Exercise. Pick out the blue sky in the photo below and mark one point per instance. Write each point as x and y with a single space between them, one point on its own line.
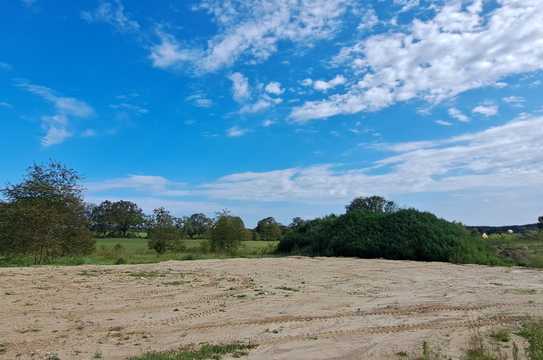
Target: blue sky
283 107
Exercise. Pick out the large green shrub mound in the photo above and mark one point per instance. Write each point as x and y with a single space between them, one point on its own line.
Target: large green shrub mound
400 235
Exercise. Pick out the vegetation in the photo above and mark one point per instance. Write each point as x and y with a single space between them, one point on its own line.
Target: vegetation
227 233
525 249
163 235
268 229
111 219
373 204
379 233
533 332
206 351
44 216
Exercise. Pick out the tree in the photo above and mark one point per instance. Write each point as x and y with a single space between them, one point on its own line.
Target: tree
162 234
268 229
197 225
117 218
540 222
374 204
44 215
227 232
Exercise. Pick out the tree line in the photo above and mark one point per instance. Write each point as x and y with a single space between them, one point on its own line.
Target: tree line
45 216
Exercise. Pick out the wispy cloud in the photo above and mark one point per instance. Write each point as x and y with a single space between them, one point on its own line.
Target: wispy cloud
236 131
57 126
240 86
457 114
252 30
111 13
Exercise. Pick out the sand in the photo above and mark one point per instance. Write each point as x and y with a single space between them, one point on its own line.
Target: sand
292 308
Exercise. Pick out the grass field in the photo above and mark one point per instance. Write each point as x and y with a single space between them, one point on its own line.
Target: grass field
525 250
111 251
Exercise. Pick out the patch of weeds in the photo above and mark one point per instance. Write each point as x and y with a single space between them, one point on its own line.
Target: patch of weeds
477 350
98 355
501 335
120 261
3 348
174 283
533 332
523 291
206 351
52 356
89 273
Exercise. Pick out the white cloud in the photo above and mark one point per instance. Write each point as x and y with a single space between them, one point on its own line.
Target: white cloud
64 105
459 49
200 100
458 115
263 103
240 87
154 185
236 131
486 110
252 30
368 21
506 156
322 85
516 101
56 130
443 123
5 105
56 126
274 88
169 53
267 123
111 13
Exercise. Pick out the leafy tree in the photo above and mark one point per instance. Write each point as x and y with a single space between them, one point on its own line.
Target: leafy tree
44 215
540 222
117 218
268 229
163 235
374 204
197 225
227 232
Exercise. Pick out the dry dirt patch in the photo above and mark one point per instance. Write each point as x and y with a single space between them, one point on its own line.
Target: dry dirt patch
293 308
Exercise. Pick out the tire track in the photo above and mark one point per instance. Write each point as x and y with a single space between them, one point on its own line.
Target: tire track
411 310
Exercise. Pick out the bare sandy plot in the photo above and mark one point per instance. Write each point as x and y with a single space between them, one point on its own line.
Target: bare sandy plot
293 308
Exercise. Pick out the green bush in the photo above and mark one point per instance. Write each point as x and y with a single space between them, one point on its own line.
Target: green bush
401 235
227 233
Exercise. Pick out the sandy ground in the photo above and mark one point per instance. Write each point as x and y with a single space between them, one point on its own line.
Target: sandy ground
293 308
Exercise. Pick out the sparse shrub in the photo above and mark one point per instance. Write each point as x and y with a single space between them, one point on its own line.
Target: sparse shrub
120 261
533 332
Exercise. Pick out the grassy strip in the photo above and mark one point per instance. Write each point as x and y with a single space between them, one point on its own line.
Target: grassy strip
117 251
206 351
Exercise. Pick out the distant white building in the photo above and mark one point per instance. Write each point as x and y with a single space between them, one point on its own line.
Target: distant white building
484 236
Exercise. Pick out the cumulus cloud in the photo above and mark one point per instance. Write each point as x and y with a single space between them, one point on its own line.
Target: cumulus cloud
486 110
368 21
252 29
111 13
458 115
263 103
459 49
274 88
322 85
240 86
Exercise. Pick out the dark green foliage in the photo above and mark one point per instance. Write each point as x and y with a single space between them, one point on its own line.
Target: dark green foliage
401 235
374 204
205 352
227 233
115 218
44 216
196 225
268 229
540 222
163 235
